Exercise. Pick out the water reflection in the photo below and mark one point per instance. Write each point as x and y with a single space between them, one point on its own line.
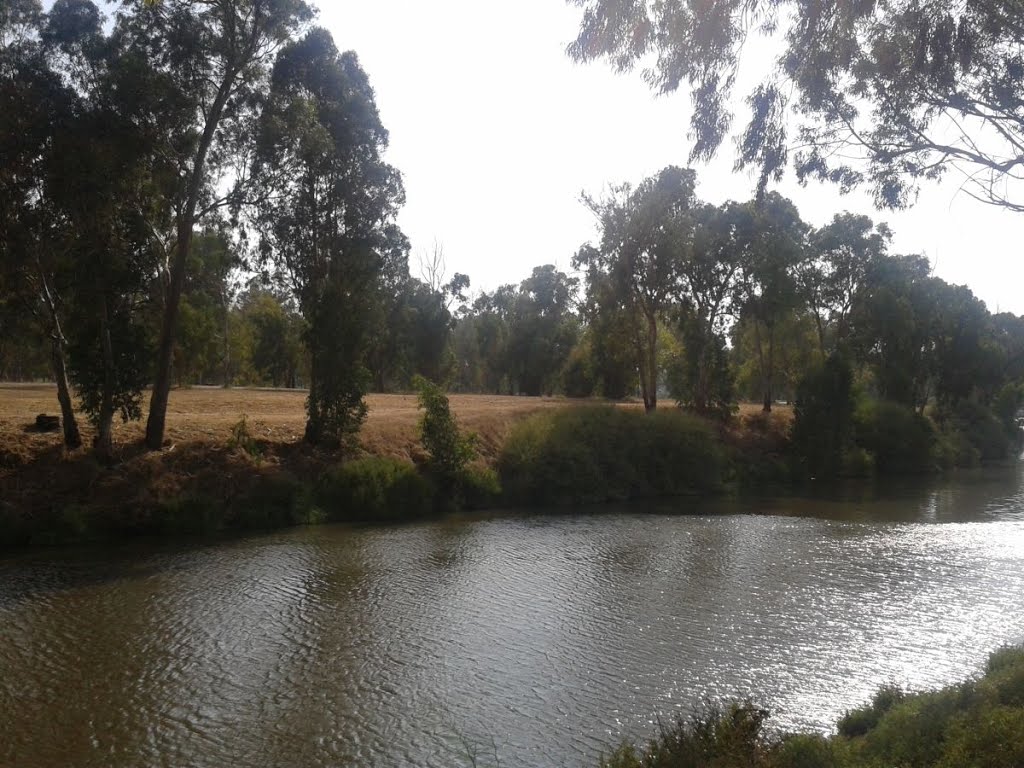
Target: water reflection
547 639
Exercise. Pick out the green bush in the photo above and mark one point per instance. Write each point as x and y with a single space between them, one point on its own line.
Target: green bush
990 739
191 515
1004 681
977 433
450 451
807 750
578 378
596 454
481 488
712 738
1005 658
859 721
912 731
968 725
857 463
1007 408
900 440
375 489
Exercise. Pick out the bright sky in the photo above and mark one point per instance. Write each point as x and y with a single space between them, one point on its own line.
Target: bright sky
497 133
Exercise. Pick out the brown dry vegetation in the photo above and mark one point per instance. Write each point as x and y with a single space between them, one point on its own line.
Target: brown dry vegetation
206 415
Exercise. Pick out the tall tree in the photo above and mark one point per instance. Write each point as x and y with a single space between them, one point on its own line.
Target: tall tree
712 275
37 106
908 89
328 218
646 236
893 324
110 177
209 62
775 243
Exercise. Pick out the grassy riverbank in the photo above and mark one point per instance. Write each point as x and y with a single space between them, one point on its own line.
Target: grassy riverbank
235 461
974 724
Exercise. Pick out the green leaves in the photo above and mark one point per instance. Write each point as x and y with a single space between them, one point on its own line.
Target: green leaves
881 94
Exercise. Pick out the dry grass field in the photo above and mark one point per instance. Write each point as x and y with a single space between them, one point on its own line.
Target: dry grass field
207 414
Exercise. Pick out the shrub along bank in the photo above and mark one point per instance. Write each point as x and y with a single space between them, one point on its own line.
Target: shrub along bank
598 454
974 724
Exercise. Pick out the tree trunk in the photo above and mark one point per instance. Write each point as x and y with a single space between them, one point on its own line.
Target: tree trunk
72 437
768 371
104 443
156 422
168 328
227 341
651 397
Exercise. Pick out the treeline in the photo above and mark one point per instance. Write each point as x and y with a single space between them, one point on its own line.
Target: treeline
197 194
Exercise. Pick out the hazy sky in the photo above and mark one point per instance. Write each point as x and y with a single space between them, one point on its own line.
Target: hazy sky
497 132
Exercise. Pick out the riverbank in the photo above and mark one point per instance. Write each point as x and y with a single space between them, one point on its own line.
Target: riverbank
978 722
235 461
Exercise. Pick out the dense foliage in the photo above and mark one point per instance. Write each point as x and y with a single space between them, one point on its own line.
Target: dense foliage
881 94
597 454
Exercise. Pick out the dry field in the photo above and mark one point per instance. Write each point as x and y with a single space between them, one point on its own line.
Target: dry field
207 414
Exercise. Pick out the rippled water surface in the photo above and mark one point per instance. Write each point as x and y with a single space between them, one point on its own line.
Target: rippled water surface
543 640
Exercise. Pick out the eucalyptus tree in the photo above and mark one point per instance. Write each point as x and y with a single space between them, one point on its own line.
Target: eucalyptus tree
647 234
207 64
893 323
840 255
81 176
327 219
882 94
712 276
110 178
774 239
543 329
36 108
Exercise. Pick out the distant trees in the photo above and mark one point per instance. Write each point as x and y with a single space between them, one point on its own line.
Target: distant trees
517 339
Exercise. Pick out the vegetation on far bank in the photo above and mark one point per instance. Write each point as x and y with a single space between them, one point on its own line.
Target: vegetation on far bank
421 457
977 723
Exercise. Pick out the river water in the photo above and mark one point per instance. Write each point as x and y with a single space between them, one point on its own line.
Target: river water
541 640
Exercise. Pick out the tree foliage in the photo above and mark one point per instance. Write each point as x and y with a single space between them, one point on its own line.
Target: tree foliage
328 218
884 95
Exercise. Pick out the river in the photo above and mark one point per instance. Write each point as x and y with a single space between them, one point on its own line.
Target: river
542 640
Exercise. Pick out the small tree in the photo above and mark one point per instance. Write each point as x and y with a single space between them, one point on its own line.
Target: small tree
450 451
